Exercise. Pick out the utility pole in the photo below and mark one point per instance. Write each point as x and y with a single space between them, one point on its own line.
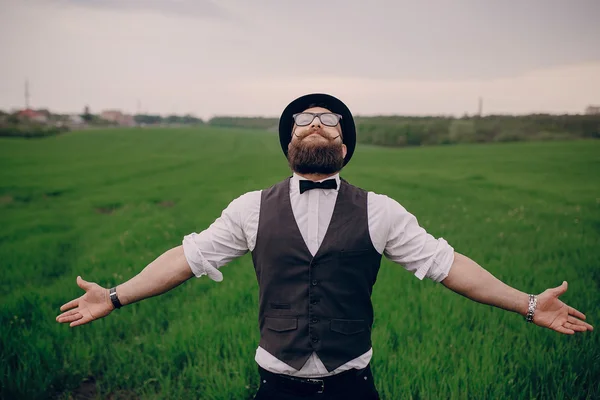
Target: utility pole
26 94
480 109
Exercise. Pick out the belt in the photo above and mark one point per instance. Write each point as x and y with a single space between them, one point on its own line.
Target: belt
341 382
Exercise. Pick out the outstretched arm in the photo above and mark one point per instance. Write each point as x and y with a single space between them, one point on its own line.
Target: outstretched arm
467 278
200 254
163 274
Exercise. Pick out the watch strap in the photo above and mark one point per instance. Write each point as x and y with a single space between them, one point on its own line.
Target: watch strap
114 298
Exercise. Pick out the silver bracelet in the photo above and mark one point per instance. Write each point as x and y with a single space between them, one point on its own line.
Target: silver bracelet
531 309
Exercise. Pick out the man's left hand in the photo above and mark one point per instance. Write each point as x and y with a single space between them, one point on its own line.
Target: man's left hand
554 314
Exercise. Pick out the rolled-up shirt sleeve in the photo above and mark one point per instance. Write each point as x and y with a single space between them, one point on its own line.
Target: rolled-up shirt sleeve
224 240
411 246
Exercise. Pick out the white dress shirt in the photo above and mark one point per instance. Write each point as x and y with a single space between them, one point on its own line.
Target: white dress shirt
394 232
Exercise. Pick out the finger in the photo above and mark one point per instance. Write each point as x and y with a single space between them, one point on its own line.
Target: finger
559 290
70 318
575 321
67 314
564 330
69 305
576 313
575 327
81 321
85 285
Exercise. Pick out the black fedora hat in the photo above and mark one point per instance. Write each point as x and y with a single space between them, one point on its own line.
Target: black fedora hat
286 122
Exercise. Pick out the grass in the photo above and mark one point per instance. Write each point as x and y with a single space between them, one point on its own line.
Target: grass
103 204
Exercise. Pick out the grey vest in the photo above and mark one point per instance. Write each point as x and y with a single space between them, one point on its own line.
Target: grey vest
316 304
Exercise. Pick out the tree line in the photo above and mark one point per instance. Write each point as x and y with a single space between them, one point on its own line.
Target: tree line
378 130
42 123
155 119
417 131
245 122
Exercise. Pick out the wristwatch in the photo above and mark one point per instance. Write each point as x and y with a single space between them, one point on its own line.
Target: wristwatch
114 298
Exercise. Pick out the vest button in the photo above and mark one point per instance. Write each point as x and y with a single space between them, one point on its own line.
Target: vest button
315 282
313 302
315 339
314 321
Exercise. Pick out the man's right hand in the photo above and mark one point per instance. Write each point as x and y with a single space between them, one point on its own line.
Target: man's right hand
94 304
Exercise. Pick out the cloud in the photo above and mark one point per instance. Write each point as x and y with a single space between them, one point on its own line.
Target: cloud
242 57
563 89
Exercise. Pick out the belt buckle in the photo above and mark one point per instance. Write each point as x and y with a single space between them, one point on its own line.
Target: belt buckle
321 381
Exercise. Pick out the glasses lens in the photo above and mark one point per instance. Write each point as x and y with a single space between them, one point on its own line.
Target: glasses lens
303 119
329 119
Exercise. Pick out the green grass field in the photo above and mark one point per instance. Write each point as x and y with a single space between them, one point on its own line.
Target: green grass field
104 204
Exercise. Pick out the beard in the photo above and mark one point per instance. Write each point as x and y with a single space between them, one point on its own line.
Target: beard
315 158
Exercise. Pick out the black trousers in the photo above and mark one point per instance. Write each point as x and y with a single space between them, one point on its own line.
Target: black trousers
353 385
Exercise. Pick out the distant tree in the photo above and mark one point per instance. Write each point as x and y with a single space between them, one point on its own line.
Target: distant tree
187 119
148 119
173 119
87 116
190 119
13 118
244 122
462 130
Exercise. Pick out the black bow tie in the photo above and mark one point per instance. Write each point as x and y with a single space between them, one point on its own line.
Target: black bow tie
308 185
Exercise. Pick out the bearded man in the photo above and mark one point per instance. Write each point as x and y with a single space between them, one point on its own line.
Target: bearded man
316 244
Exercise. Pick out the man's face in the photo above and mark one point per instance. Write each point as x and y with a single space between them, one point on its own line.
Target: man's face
316 148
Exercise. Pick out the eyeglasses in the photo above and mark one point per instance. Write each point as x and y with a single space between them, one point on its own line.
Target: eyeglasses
326 118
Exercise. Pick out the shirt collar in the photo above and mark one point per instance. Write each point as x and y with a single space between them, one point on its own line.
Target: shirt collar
295 183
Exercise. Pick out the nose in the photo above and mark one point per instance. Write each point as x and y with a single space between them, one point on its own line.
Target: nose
316 121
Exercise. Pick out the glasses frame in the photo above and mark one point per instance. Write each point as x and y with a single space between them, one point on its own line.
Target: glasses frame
317 115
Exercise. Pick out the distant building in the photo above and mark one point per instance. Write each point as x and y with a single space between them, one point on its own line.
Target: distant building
75 119
111 115
41 116
127 120
595 110
118 117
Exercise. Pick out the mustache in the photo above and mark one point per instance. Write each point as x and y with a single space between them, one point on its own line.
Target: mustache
318 131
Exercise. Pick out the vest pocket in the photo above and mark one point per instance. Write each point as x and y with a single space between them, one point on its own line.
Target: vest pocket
348 326
281 324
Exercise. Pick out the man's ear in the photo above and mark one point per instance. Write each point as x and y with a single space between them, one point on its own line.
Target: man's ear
344 150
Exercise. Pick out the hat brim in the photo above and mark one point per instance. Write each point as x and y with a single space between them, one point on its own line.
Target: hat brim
286 122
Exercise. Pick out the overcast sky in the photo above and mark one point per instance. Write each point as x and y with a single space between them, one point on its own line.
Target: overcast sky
251 57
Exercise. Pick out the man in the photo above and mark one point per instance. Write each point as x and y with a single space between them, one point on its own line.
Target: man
316 244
